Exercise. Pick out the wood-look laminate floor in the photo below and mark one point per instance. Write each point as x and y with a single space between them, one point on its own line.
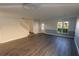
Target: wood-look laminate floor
39 45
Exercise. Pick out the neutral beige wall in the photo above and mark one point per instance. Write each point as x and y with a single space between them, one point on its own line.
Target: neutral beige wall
10 28
30 24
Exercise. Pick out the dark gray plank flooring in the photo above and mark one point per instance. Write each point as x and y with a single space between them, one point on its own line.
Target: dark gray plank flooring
39 45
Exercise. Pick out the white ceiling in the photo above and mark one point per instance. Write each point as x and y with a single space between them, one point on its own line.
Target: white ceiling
41 10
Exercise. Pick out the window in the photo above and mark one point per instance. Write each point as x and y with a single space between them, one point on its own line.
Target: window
65 26
59 27
62 27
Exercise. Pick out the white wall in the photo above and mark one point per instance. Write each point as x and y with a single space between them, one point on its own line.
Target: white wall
72 23
51 24
30 24
15 28
10 28
36 26
77 34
